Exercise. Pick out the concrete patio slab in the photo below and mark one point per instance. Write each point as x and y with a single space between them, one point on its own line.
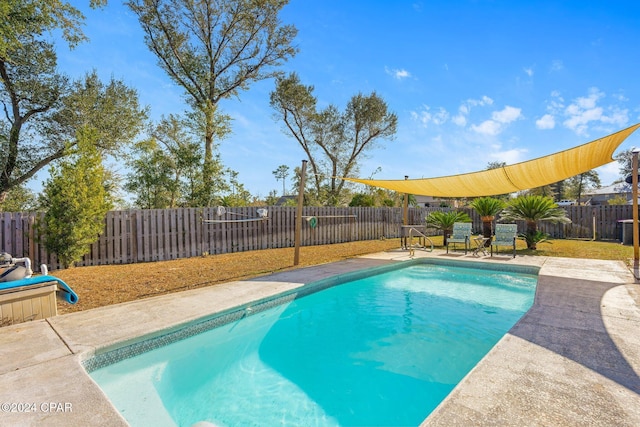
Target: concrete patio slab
56 393
573 359
28 344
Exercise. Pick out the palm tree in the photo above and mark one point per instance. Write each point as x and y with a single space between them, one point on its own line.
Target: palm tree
487 208
444 221
531 209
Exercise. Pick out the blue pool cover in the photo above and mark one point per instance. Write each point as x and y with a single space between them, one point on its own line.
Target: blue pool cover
67 293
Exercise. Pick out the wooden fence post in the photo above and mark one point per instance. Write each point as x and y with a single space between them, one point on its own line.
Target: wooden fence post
298 224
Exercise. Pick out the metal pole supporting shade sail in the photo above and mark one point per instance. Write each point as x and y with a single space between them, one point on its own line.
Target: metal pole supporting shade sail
509 179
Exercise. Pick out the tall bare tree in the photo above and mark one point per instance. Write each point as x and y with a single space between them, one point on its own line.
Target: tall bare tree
282 172
214 49
334 141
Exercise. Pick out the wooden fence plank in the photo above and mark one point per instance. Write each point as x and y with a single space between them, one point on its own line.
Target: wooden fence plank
8 238
149 235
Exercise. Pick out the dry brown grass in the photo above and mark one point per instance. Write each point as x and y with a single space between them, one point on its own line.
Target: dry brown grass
111 284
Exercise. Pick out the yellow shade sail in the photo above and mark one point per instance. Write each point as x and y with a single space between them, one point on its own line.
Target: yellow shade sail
508 179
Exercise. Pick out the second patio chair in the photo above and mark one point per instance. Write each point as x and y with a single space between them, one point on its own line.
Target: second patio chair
461 234
505 235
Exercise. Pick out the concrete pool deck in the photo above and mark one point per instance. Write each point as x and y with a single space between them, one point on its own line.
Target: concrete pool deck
573 359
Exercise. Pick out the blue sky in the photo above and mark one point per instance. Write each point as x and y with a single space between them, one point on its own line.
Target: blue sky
472 81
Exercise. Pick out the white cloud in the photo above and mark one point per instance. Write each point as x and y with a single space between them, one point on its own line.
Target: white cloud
546 122
585 110
591 100
556 106
617 116
579 120
485 100
425 117
557 65
488 127
465 108
498 120
459 120
620 97
507 115
398 74
528 71
441 116
510 156
401 74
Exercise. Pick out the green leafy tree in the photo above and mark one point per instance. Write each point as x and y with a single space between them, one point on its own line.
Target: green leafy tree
238 195
558 189
487 208
177 137
625 163
31 90
532 209
28 19
214 49
111 108
444 221
496 165
43 111
388 203
19 199
333 142
576 185
272 198
166 169
618 200
282 173
310 196
150 179
76 201
362 199
544 191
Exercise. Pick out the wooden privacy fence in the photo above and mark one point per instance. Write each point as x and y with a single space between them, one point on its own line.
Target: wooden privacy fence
162 234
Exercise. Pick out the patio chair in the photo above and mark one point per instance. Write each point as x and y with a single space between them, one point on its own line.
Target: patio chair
461 234
505 235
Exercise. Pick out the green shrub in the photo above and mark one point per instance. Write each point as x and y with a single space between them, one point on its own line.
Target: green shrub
76 201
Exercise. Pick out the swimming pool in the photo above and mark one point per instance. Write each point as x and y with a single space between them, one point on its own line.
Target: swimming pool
379 350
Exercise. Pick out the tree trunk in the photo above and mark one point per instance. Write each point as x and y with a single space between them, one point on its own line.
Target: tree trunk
487 229
532 228
446 232
207 166
12 157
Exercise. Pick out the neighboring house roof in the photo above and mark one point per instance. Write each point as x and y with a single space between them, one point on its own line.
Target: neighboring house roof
619 188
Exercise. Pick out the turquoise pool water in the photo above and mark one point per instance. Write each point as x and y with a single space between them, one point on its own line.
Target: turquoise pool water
382 350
